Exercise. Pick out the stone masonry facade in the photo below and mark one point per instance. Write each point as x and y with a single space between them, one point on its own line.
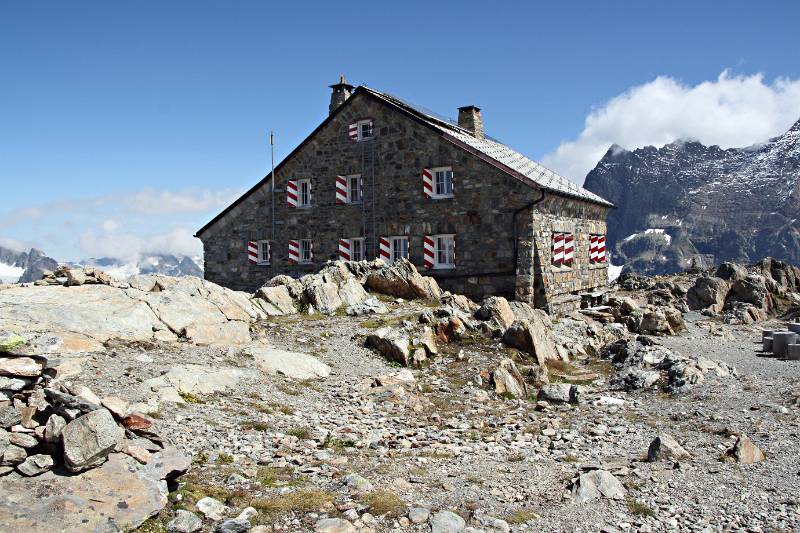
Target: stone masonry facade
502 241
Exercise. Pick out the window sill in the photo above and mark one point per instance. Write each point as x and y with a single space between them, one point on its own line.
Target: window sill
449 197
262 264
444 267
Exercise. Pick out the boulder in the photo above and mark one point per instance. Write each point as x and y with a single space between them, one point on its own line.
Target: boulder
745 451
294 365
276 300
334 525
75 277
212 508
184 522
324 296
654 322
560 393
533 337
401 279
508 380
89 439
35 465
391 343
708 293
730 271
447 522
665 447
118 496
369 306
496 310
20 366
598 484
751 290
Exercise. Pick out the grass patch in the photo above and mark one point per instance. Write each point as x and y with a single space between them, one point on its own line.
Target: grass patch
262 408
521 516
337 444
638 508
384 502
254 425
301 501
192 492
300 433
287 389
201 458
188 397
570 458
156 414
271 476
516 458
224 458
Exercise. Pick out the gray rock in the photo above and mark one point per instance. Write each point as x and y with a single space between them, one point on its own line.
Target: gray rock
53 428
291 364
508 380
20 366
745 451
13 455
9 416
665 447
184 522
15 384
62 400
35 465
89 439
75 277
418 515
598 484
391 343
447 522
369 306
560 393
357 482
533 336
334 525
23 440
212 508
708 293
233 525
496 310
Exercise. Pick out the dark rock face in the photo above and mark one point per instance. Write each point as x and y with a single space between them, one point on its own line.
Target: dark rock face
35 262
689 204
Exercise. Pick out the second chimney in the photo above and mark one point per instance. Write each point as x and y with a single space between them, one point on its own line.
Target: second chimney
469 117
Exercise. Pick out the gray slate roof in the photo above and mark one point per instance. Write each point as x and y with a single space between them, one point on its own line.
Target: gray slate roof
528 168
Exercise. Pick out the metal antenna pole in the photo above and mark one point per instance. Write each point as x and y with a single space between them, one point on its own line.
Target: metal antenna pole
272 207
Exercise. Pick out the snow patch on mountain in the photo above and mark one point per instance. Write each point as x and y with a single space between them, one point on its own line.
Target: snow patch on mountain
10 273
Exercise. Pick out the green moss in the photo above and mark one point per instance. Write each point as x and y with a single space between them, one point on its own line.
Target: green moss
188 397
637 508
224 458
521 516
301 501
384 502
254 425
300 433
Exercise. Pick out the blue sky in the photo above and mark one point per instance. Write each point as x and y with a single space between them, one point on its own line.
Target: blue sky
125 127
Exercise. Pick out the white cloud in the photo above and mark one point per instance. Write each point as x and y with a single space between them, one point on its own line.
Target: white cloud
110 225
14 245
730 111
149 201
128 247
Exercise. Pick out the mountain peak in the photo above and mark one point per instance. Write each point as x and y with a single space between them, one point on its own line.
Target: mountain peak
795 128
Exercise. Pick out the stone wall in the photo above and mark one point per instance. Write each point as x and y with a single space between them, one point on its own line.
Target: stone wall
391 164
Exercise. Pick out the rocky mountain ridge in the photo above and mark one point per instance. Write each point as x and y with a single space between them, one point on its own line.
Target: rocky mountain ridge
20 266
687 203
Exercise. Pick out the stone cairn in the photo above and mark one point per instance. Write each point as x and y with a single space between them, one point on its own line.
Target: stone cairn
71 277
783 343
47 423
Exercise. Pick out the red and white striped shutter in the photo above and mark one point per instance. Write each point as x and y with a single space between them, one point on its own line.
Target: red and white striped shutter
601 248
294 252
558 248
592 248
569 248
341 190
429 252
384 249
427 183
291 193
252 252
344 249
352 131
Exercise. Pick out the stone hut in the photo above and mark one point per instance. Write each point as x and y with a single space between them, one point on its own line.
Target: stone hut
382 178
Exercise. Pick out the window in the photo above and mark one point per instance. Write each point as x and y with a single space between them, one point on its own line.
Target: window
399 248
304 193
306 251
443 182
445 251
264 253
354 189
364 130
357 249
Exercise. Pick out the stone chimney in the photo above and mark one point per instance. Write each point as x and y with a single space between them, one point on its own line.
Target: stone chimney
341 92
469 117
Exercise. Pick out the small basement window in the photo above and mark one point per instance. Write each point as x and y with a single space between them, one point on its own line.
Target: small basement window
306 251
264 253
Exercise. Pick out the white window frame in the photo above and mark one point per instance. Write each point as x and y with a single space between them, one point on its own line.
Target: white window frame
302 251
396 239
437 264
360 124
348 181
262 245
300 184
361 244
434 173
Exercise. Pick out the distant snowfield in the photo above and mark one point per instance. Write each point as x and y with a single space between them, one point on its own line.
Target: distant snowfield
614 272
651 231
9 273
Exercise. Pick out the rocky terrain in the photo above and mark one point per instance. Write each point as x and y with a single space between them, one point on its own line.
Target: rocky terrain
20 266
687 203
364 398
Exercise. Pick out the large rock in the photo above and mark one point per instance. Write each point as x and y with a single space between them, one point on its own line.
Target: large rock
708 293
497 312
184 522
745 451
560 393
391 343
508 380
447 522
89 439
197 380
294 365
598 484
20 366
534 337
117 496
276 300
665 447
401 279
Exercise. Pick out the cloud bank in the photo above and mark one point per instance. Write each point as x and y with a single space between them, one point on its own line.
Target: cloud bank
730 111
